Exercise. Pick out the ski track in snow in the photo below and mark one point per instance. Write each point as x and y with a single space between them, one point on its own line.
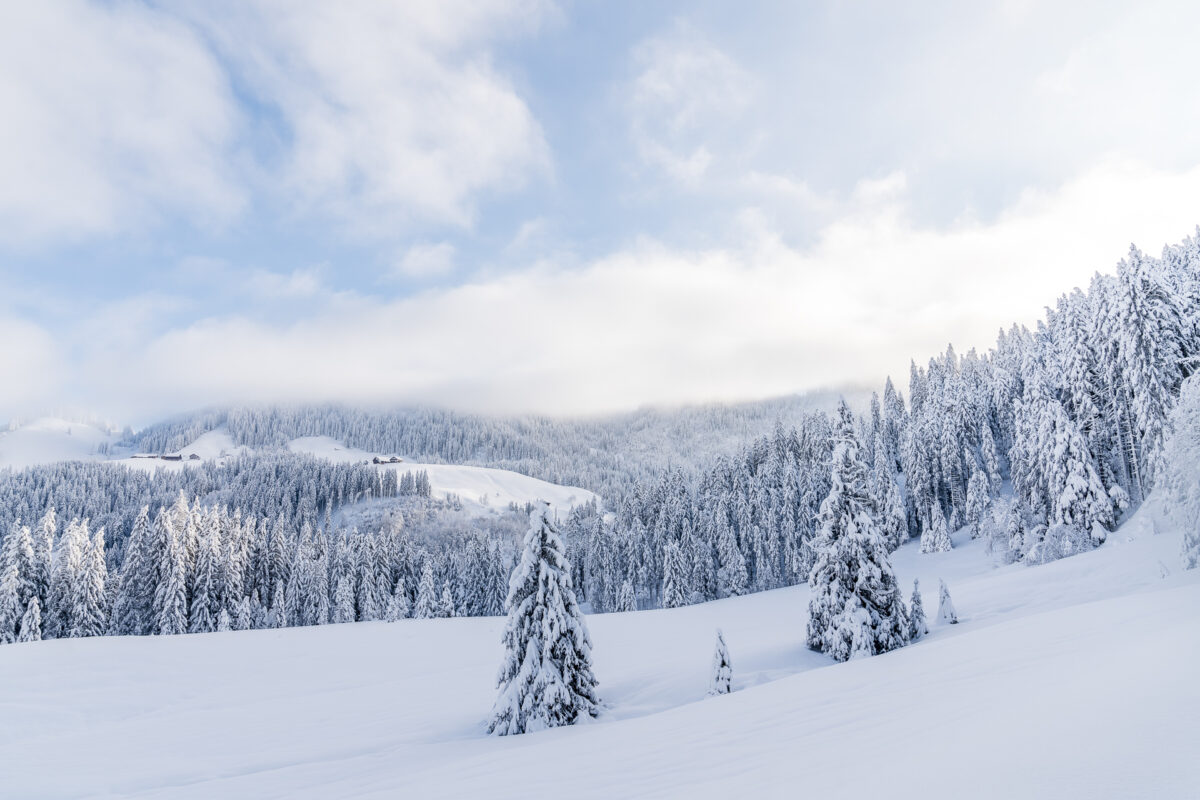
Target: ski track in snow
1074 679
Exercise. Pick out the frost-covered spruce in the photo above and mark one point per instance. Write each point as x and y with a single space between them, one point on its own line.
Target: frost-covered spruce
204 608
978 498
397 608
446 602
946 605
31 622
546 679
243 619
854 606
91 599
131 613
917 624
68 563
673 593
732 577
427 598
626 601
1179 478
18 578
277 617
722 669
343 601
224 623
935 538
10 604
170 611
891 515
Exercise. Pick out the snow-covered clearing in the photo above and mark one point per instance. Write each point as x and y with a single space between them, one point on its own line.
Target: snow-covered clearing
1075 679
480 488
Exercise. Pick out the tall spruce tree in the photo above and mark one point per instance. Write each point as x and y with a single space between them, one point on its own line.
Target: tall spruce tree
936 537
132 609
546 679
397 608
31 622
855 606
626 601
170 607
731 574
90 617
427 597
10 604
673 594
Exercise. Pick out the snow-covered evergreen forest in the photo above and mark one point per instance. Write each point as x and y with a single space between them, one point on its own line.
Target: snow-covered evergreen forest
1038 446
609 455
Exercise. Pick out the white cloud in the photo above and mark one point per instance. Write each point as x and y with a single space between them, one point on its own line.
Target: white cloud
294 284
655 325
33 369
425 261
380 114
112 115
392 112
684 97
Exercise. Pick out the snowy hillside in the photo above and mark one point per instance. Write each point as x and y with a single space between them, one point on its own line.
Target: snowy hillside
1072 679
480 488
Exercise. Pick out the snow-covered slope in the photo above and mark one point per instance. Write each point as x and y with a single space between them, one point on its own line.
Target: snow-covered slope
1075 679
480 488
50 439
212 446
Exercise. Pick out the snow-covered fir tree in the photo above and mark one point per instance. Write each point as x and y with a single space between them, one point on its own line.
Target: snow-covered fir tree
170 608
731 575
10 604
722 669
31 622
946 611
445 606
1179 476
855 606
90 615
132 610
917 624
343 601
935 538
397 608
546 679
978 500
626 601
428 600
66 580
673 594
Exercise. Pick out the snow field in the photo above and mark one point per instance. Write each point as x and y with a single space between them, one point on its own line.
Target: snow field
1075 679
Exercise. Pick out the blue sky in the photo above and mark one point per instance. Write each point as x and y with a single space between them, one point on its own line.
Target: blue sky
562 207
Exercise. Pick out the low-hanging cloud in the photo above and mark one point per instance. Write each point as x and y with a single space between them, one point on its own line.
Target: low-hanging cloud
651 324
